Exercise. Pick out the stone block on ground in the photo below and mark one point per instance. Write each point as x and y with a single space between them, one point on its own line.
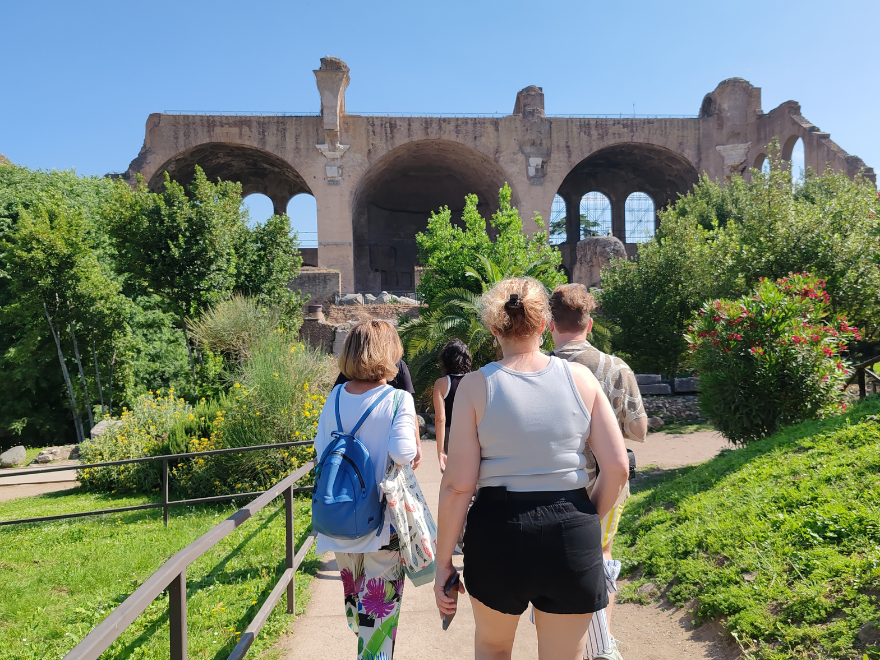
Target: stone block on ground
102 427
593 254
648 379
403 300
655 423
384 298
686 385
659 388
351 299
12 457
370 299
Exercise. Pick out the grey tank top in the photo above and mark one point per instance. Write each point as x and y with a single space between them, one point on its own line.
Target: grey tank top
533 432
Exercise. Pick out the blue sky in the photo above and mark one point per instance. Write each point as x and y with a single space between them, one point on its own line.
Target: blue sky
78 79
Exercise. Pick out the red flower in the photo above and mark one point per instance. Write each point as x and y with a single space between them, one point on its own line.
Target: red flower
828 351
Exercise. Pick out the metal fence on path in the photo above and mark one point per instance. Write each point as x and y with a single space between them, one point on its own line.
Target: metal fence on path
172 575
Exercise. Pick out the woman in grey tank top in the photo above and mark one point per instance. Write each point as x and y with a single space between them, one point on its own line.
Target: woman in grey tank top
518 436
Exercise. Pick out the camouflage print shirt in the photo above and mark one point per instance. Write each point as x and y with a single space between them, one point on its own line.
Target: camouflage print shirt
619 384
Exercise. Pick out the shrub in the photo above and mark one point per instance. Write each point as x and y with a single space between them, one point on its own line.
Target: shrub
230 328
141 431
769 359
278 399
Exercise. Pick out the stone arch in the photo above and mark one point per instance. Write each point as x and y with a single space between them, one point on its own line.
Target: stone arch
257 170
396 195
621 169
760 160
788 146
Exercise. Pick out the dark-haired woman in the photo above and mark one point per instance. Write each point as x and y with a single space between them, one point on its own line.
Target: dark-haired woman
455 363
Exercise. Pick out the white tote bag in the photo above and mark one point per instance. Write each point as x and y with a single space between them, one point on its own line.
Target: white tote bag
416 531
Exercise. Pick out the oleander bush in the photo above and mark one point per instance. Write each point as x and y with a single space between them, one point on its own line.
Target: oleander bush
770 358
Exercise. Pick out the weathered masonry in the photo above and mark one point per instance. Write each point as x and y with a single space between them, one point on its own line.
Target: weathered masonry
376 179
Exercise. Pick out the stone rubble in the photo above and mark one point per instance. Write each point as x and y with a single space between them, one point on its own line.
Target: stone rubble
678 408
12 457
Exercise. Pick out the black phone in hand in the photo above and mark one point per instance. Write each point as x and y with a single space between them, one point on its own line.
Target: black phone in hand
450 589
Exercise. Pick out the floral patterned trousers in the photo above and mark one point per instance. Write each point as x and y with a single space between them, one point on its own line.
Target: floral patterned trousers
373 586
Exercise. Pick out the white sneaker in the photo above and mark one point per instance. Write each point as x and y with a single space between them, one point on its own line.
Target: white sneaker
611 654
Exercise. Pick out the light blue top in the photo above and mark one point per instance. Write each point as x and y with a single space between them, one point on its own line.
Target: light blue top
533 432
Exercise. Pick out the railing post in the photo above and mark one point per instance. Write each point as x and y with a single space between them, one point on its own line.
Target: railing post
165 491
177 616
291 587
863 391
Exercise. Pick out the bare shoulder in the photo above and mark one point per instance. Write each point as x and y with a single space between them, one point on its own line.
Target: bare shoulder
472 383
440 385
583 376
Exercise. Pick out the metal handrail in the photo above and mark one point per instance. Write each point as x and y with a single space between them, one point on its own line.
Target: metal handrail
860 371
172 576
165 504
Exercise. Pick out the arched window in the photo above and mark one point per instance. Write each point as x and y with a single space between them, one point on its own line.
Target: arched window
798 162
595 213
303 212
639 218
557 231
259 208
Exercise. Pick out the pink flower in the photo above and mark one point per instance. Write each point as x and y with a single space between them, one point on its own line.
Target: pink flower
374 601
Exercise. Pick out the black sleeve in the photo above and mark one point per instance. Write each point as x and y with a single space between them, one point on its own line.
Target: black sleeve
403 381
340 379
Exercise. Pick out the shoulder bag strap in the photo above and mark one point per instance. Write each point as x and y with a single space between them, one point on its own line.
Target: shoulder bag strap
338 418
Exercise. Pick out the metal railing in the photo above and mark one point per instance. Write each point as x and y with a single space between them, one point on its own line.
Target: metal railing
165 504
172 576
861 373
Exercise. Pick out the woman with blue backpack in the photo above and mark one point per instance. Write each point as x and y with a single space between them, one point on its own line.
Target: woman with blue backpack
364 426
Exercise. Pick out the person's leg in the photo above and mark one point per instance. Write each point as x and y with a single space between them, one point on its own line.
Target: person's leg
379 597
493 638
351 570
561 636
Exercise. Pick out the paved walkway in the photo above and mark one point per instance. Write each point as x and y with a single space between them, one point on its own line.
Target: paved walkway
28 485
649 633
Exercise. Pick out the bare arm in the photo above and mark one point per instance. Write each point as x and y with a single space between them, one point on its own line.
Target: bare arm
460 478
606 441
440 420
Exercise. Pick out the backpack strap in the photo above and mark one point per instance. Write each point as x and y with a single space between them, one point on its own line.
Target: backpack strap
366 414
398 397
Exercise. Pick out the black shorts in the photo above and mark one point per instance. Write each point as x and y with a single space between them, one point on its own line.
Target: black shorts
538 547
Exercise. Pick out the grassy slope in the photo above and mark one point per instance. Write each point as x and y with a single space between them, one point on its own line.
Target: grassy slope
780 540
60 579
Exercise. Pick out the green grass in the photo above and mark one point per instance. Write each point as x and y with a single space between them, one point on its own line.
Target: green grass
60 579
780 540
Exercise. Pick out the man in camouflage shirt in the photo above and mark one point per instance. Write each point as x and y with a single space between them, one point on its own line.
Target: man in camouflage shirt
571 305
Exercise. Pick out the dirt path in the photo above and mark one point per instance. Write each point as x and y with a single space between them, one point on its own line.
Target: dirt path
29 485
651 632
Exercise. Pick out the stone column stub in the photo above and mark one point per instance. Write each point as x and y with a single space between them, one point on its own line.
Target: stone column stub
537 138
332 79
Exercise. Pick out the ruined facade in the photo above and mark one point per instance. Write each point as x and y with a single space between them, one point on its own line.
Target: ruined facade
376 179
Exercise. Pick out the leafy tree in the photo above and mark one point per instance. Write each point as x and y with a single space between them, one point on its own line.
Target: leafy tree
268 259
718 241
447 251
55 276
182 247
588 227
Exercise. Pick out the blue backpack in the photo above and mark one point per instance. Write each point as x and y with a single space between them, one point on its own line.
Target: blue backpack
345 502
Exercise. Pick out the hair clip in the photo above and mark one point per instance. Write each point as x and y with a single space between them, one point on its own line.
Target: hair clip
514 302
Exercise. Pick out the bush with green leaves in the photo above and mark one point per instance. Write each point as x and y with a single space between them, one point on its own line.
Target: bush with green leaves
719 240
448 251
771 358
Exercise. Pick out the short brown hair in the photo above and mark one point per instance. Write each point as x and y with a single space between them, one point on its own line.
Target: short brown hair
570 305
371 351
516 307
